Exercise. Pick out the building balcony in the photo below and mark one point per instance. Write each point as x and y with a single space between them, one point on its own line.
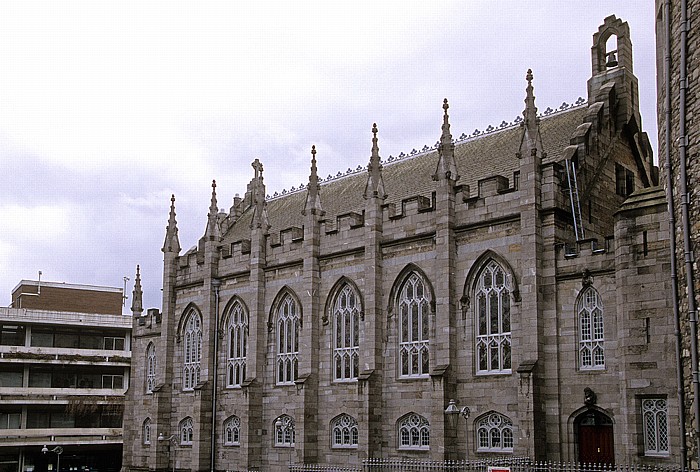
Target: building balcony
63 436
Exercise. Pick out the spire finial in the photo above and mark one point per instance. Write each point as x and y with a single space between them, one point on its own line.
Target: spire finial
137 295
213 231
446 168
531 142
530 112
375 183
172 243
313 200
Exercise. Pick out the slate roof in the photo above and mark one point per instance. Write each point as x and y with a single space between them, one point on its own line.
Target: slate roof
477 158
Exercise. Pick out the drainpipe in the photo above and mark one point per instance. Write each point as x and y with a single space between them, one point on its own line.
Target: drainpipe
672 229
216 283
685 201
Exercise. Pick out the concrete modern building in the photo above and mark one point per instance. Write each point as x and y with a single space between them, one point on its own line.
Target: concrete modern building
64 367
520 275
678 74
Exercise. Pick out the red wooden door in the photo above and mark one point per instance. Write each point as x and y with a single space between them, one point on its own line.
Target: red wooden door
595 439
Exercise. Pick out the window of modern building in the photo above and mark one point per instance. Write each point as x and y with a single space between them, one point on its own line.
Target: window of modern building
414 432
147 431
11 375
150 368
346 330
492 306
494 433
590 330
46 336
10 419
114 343
288 327
232 431
237 333
344 432
284 431
655 418
414 328
12 335
114 381
192 351
65 376
186 432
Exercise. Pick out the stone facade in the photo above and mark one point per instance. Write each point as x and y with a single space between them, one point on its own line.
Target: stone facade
692 164
480 271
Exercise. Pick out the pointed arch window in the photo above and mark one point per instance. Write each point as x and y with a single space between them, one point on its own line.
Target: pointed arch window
414 432
493 330
232 431
288 328
344 431
192 351
494 433
186 432
146 432
346 334
284 431
591 330
237 333
150 368
414 328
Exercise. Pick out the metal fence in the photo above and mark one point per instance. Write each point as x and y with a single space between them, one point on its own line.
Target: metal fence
515 465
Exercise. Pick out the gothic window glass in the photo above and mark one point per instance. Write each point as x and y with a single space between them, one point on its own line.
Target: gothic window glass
494 433
192 350
591 333
284 431
344 432
414 338
186 432
493 339
288 328
346 316
414 432
150 368
232 431
655 417
147 431
237 332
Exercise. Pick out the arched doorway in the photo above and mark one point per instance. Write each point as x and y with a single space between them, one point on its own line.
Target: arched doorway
594 430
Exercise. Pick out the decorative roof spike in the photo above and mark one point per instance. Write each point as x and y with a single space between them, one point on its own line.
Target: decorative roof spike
313 199
259 219
213 231
530 112
531 140
375 183
446 166
172 242
137 295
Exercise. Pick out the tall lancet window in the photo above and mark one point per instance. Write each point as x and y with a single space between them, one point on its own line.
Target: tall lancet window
414 329
493 338
590 328
346 330
192 351
150 368
237 333
288 328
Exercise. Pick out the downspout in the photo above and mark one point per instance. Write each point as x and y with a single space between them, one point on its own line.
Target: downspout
672 229
685 201
216 283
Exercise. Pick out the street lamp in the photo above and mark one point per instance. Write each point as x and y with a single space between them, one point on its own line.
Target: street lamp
58 450
170 439
453 412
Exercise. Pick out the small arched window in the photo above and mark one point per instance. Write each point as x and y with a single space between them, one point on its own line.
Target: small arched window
591 330
494 433
414 327
284 431
237 333
192 350
288 328
146 432
414 432
150 368
344 432
655 413
186 432
493 331
346 334
232 431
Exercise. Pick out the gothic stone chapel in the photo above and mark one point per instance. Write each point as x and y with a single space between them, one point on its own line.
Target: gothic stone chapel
522 273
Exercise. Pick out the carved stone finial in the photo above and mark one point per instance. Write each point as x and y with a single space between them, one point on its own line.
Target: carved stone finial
375 184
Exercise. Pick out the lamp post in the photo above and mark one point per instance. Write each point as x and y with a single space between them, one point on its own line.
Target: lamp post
171 440
453 412
58 450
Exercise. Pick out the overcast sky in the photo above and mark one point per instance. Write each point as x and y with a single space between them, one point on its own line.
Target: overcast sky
108 108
